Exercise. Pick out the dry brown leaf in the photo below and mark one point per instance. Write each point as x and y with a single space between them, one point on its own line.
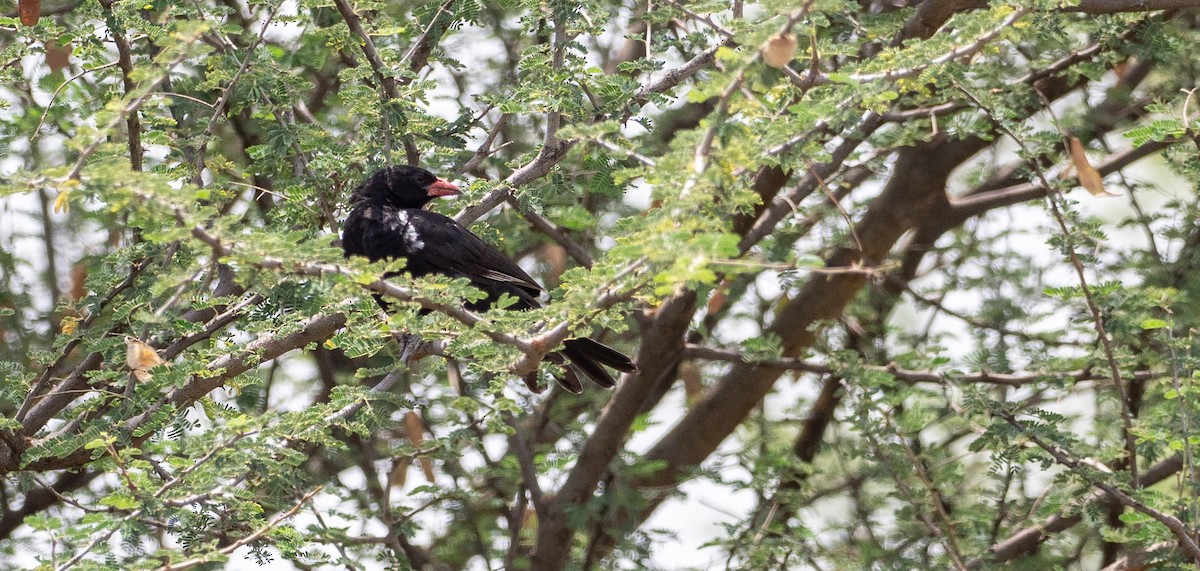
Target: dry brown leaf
779 50
79 274
717 300
140 358
1089 177
693 385
30 11
58 57
415 431
555 257
399 474
426 468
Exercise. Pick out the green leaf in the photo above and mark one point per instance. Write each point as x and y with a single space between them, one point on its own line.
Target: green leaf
1153 323
120 500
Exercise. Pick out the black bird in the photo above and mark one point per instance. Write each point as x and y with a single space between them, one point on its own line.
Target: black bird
386 221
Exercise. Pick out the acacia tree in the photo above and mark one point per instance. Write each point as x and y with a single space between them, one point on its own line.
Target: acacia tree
864 254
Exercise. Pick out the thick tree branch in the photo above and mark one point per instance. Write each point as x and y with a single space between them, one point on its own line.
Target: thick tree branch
657 357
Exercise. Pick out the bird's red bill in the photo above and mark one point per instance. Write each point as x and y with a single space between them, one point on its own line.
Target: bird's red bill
443 188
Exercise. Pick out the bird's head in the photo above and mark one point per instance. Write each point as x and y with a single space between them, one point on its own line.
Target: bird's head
404 187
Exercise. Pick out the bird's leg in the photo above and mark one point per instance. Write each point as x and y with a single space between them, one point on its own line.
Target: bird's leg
412 347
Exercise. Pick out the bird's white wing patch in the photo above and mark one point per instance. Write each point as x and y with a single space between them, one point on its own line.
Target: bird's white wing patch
411 238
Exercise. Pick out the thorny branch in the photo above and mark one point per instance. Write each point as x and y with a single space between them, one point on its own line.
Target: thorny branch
144 93
1086 470
912 376
551 154
251 538
696 436
133 125
601 447
1089 297
223 100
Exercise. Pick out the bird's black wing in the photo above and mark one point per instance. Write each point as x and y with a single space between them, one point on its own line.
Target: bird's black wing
375 231
441 245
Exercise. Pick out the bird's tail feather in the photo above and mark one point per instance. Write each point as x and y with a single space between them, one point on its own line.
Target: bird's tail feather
589 355
568 380
597 351
593 371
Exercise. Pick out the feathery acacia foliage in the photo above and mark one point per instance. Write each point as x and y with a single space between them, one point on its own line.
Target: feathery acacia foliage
884 312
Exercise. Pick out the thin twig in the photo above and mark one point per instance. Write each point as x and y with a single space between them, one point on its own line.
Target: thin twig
234 546
219 106
551 155
42 120
132 107
643 159
909 376
555 232
1054 197
424 37
968 50
485 148
1185 427
1084 470
1051 339
950 539
524 454
912 497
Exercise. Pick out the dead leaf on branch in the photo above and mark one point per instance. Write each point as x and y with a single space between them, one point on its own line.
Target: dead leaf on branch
415 431
79 274
399 474
1089 177
30 11
58 56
